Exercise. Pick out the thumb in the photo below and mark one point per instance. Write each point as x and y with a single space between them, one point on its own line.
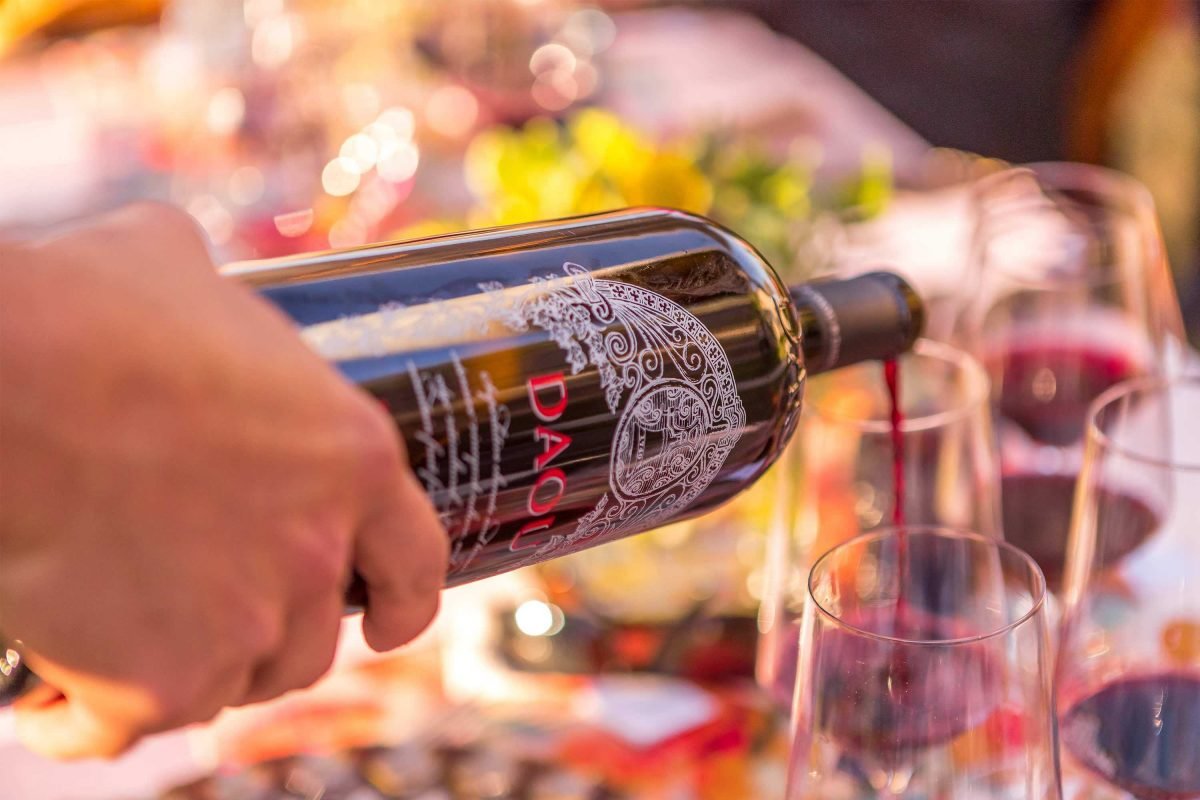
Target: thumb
401 553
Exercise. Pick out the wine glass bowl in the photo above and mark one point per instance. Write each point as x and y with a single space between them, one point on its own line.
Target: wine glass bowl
1072 296
838 480
1128 672
1065 308
924 671
948 462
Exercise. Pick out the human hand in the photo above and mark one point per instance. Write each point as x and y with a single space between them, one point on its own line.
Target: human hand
184 490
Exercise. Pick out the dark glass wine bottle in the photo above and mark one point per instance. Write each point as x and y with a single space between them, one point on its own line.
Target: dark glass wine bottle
560 385
564 384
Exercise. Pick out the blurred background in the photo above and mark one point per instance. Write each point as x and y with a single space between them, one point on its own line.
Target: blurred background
835 135
379 119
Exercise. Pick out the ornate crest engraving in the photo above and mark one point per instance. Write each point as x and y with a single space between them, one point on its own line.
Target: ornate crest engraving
663 373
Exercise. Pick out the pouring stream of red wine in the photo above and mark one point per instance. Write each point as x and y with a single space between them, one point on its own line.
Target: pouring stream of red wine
891 376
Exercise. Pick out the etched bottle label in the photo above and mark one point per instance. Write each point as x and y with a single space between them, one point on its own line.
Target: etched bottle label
619 432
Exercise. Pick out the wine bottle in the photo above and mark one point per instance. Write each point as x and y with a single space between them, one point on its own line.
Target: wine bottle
565 384
559 385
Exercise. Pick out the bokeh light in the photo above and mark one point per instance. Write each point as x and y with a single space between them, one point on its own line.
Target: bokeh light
552 57
273 41
294 223
538 618
226 110
589 31
363 150
398 120
340 177
452 111
556 90
401 162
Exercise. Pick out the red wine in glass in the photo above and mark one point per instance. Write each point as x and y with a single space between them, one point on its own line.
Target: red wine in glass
1045 386
886 699
1141 734
933 697
1037 519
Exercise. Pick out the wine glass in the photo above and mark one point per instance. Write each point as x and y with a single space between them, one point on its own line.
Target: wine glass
924 671
838 478
1071 295
1128 675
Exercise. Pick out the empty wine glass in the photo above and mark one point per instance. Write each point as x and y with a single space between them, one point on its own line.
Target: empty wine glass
1128 676
838 479
925 671
1071 295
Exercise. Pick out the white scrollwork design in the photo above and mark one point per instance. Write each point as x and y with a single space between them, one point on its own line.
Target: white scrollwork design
662 372
681 415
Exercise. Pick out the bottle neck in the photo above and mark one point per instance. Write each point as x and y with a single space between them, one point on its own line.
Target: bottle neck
871 317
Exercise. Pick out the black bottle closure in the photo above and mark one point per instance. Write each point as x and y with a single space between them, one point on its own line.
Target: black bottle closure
871 317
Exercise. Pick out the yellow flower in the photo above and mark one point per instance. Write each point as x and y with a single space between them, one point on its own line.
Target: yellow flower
607 145
595 162
789 193
596 194
481 163
671 180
